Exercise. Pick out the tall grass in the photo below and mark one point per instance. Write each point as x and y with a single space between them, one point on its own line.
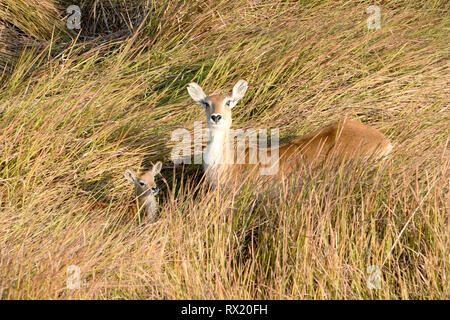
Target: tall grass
75 112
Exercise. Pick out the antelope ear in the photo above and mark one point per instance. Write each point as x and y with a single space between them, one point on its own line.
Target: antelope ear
239 90
130 175
196 92
157 168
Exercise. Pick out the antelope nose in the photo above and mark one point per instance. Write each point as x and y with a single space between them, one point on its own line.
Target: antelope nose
155 190
216 117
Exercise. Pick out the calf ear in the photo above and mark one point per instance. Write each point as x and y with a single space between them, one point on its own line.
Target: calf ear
157 168
196 92
130 175
239 90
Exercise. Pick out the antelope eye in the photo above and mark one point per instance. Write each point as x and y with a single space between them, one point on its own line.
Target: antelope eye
227 103
142 184
206 104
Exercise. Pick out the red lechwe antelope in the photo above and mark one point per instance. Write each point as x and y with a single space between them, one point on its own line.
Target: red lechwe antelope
145 190
345 139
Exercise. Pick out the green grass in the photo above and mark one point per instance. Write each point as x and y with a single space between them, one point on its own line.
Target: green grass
76 110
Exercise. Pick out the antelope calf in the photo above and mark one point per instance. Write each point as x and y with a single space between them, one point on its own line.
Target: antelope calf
145 190
345 139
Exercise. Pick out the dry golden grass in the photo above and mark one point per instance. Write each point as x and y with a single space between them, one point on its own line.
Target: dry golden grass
74 115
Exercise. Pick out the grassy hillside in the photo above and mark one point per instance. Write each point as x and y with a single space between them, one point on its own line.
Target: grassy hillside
76 110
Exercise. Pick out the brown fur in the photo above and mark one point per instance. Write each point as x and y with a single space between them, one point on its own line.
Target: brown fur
342 140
